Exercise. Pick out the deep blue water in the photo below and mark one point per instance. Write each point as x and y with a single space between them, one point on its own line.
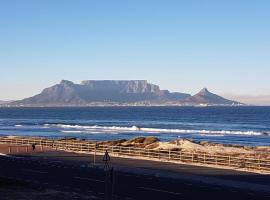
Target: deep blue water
235 125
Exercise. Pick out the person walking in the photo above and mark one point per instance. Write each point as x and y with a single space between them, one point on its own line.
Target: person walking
33 147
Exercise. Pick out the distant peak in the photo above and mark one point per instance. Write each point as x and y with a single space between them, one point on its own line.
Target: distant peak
204 90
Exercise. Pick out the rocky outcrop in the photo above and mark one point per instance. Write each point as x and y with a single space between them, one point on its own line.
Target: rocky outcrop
189 146
140 142
186 145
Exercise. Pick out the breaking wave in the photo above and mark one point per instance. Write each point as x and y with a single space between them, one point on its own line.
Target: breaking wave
72 131
18 125
82 128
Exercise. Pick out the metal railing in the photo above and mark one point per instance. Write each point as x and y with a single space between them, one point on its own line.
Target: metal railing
247 163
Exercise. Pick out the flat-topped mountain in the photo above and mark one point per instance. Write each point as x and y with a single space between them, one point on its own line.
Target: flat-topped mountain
116 92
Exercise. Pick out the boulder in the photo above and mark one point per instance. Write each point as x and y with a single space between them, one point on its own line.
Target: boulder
141 142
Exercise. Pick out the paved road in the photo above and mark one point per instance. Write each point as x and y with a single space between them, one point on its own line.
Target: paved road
67 176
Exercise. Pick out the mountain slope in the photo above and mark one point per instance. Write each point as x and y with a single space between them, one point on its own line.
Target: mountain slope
63 93
206 97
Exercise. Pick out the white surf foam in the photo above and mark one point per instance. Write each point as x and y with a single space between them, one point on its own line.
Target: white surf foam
116 128
212 135
82 128
222 132
72 131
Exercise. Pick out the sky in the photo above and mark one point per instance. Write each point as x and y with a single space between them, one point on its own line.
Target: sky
180 45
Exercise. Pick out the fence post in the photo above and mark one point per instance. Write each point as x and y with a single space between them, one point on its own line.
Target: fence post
229 161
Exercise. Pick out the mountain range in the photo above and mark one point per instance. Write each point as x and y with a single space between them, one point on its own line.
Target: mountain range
117 93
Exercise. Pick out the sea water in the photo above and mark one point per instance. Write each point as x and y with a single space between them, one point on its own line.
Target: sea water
233 125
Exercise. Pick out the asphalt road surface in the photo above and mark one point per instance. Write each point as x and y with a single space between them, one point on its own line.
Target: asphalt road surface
75 176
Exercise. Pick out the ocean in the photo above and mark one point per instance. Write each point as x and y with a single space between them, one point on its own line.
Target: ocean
228 125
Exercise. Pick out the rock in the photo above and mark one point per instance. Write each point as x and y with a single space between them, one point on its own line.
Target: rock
150 140
152 146
175 149
112 143
136 140
69 139
141 142
204 143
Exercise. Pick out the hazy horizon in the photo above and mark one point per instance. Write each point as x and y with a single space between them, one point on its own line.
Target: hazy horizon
181 46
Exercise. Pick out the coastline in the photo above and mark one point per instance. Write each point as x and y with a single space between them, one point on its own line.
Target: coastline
239 158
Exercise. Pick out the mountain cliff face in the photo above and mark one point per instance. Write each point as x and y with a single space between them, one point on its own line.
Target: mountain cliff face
105 92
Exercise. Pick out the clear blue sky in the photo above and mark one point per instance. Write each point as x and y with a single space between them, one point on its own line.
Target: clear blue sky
180 45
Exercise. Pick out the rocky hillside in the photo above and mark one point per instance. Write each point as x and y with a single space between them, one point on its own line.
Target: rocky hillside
206 97
115 92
